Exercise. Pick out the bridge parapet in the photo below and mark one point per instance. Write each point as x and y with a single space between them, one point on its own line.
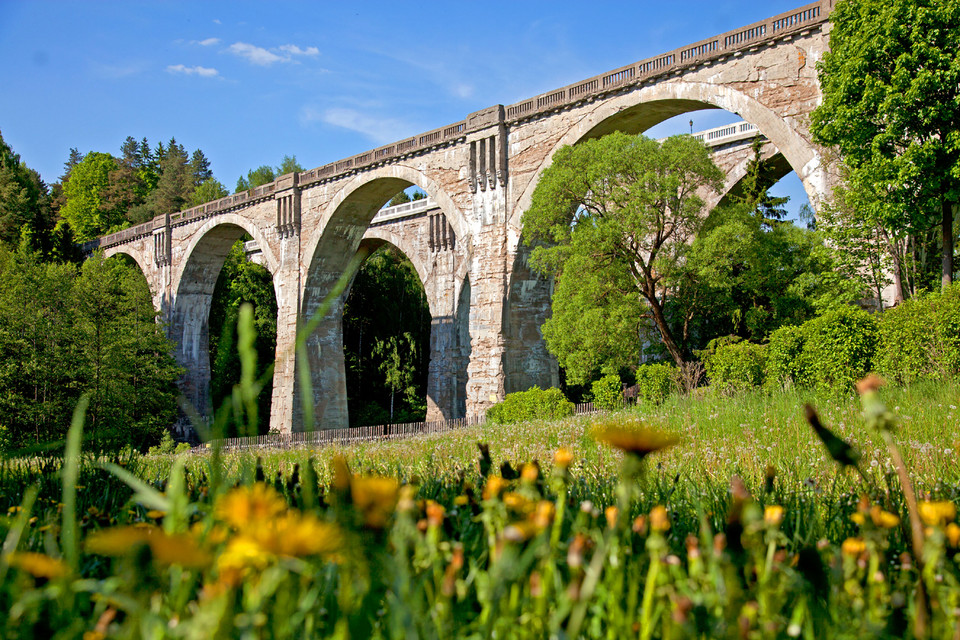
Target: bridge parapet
727 44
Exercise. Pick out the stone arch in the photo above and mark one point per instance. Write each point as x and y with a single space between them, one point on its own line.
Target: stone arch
127 251
775 167
637 111
366 189
193 286
202 235
328 251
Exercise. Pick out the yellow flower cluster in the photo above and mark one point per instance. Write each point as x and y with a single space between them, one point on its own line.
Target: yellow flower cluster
264 529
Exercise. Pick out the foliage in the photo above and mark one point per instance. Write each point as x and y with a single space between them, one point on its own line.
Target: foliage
734 364
748 274
829 353
207 191
921 338
265 174
65 332
386 302
623 209
241 281
657 381
786 358
398 357
891 106
607 393
533 404
24 202
100 193
87 210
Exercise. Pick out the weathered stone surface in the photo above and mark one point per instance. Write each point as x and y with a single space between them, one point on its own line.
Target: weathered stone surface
487 305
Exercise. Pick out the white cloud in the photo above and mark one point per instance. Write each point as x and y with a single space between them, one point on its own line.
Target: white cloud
380 130
205 72
216 21
256 55
209 42
294 50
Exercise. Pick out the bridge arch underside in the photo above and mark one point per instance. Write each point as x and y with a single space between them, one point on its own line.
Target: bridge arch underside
448 346
340 243
638 110
190 317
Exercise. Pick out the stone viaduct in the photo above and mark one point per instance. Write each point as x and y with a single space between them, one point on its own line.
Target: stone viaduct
487 305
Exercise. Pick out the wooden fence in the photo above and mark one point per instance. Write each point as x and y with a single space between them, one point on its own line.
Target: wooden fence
351 435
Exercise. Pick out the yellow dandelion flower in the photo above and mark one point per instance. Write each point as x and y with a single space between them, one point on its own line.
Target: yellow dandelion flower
633 438
461 501
937 513
853 547
563 458
495 485
250 505
435 513
859 518
659 519
773 514
241 556
883 519
167 549
14 509
611 514
375 498
156 514
517 502
543 515
37 564
300 535
520 531
953 534
529 473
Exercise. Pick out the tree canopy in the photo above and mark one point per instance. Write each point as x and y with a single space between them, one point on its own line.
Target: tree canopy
612 219
65 331
891 106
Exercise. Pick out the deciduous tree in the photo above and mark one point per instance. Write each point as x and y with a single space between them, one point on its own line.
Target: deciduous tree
612 219
891 105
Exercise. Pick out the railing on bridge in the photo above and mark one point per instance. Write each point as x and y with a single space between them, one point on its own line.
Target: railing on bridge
722 46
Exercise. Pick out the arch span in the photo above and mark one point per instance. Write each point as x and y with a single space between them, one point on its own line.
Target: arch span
330 249
193 287
637 111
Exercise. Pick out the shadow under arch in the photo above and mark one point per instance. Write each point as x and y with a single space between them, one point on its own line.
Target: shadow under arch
193 288
638 111
331 248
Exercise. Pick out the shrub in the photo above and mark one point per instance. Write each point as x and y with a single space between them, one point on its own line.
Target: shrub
829 353
734 364
785 357
533 404
607 393
656 381
921 338
840 347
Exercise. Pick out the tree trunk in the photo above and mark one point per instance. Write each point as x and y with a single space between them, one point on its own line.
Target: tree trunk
661 321
947 244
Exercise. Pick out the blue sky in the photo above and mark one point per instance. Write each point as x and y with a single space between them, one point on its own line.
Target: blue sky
250 82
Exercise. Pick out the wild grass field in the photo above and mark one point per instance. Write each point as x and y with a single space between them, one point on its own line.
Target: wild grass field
745 526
